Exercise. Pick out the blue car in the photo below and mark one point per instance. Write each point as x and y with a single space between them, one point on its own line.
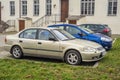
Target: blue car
87 34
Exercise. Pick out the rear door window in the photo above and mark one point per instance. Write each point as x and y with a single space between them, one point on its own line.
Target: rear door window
29 34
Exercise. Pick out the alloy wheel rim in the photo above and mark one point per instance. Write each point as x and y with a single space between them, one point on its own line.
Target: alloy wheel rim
16 52
72 58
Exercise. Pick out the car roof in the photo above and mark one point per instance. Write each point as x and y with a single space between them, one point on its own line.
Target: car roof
95 24
48 28
62 24
91 24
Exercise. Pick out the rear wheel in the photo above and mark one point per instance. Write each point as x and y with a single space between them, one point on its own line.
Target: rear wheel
17 52
73 57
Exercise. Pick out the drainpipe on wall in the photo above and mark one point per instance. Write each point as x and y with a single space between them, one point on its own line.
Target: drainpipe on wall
0 12
19 8
54 6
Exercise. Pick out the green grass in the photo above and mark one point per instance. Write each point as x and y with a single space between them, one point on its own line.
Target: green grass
25 69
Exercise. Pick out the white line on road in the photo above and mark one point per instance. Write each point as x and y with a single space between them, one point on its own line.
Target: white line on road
95 65
114 40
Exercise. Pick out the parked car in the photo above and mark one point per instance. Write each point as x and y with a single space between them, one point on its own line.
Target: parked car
98 28
87 34
53 43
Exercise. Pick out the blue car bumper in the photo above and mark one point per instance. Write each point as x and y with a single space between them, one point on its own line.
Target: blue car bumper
107 45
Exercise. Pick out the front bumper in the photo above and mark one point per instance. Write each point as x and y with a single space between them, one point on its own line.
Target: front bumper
93 56
107 45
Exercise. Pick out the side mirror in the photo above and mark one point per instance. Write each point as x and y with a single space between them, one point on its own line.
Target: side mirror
52 39
80 34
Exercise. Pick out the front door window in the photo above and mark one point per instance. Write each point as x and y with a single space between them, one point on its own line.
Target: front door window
45 35
73 31
29 34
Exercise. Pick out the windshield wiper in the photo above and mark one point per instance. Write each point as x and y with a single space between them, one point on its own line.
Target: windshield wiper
65 39
68 39
72 38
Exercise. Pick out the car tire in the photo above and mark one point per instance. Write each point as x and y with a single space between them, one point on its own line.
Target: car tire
16 52
73 57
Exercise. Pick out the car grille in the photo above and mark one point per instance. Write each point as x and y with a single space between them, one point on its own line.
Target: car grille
100 48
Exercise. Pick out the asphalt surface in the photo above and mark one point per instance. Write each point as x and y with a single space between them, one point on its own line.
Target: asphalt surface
3 53
2 43
2 37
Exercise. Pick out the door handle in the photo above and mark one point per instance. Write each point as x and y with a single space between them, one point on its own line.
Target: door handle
20 41
39 43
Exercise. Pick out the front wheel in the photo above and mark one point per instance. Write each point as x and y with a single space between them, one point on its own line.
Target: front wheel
73 57
17 52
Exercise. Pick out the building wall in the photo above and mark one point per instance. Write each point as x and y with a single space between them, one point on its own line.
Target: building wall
100 16
74 7
57 8
42 12
56 4
5 11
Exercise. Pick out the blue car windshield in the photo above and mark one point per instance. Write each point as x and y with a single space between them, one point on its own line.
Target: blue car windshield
86 30
63 35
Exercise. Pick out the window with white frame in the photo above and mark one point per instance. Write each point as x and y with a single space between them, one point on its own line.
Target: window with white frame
112 7
36 7
24 7
12 8
87 7
48 7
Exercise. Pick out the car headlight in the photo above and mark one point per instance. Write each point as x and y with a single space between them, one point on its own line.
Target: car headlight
89 49
105 39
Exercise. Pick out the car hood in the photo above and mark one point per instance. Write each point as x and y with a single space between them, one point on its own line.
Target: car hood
101 35
109 39
83 43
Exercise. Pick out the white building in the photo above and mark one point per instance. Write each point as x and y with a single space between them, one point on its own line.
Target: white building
45 12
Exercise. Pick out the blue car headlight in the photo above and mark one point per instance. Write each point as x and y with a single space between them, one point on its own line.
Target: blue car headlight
89 49
105 39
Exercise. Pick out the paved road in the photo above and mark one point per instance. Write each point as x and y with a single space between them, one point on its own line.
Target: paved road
2 37
3 53
2 43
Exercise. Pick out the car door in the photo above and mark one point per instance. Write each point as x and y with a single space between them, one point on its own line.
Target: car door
27 39
45 46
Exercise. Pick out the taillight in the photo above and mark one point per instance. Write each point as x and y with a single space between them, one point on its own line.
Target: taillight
5 39
106 30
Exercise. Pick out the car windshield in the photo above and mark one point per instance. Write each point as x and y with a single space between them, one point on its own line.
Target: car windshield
63 35
86 30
